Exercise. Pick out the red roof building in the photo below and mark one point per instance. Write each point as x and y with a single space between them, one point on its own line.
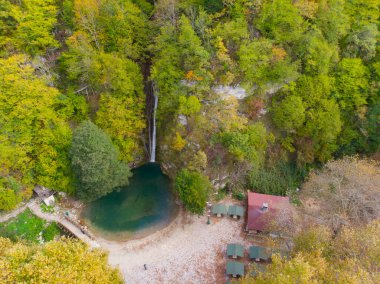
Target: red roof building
266 211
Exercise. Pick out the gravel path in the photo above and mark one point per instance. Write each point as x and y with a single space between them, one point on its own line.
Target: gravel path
188 251
36 209
15 212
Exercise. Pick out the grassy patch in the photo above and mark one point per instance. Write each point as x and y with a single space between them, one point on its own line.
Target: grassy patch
46 208
50 232
222 193
27 226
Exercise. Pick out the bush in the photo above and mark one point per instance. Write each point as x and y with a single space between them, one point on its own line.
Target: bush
222 193
193 189
278 180
25 226
213 6
238 195
51 231
46 208
8 199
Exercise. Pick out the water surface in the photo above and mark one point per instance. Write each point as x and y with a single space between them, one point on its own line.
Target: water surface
142 207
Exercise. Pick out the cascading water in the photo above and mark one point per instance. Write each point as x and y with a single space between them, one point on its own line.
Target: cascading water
153 142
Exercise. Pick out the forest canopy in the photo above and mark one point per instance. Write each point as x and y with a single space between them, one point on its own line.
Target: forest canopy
321 257
61 261
252 95
243 86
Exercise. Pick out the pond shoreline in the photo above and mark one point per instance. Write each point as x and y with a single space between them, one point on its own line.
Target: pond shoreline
139 209
106 244
180 253
124 237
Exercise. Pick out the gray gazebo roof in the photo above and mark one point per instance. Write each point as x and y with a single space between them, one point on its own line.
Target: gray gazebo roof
219 209
258 252
42 191
235 268
236 210
235 249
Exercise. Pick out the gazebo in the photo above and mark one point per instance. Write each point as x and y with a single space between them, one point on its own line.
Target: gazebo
219 210
45 194
236 211
257 253
235 269
235 250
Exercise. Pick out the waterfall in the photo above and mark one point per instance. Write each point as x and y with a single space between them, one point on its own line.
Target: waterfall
153 142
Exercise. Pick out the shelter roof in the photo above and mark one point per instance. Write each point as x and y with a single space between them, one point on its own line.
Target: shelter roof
235 268
265 209
235 249
219 209
236 210
258 252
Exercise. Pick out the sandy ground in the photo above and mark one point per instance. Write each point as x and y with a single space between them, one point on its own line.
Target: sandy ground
187 251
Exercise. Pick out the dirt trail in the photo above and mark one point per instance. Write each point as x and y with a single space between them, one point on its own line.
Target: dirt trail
56 217
15 212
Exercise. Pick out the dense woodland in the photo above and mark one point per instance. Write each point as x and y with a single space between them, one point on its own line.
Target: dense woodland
310 71
76 83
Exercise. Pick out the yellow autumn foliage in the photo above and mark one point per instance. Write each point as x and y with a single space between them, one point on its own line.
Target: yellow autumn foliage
63 261
178 143
319 256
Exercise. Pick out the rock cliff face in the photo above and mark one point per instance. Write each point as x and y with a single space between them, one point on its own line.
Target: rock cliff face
230 91
224 110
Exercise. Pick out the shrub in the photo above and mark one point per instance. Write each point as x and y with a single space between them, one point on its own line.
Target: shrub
238 195
8 199
50 232
46 208
277 180
193 189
